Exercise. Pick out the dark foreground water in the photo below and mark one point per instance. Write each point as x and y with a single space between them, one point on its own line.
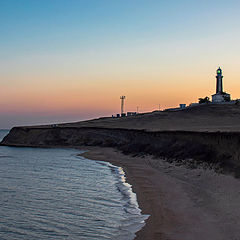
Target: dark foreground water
54 194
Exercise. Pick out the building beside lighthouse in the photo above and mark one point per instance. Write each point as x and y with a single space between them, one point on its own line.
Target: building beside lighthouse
220 96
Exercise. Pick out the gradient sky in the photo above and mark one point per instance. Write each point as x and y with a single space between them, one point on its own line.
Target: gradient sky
68 60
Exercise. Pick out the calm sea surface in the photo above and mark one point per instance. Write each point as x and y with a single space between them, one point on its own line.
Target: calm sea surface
55 194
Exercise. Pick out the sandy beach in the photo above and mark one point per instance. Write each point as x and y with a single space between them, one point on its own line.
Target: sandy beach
183 204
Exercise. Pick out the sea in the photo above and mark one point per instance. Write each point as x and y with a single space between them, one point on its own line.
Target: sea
57 194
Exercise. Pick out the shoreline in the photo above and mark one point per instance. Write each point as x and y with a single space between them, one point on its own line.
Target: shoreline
126 189
100 154
182 203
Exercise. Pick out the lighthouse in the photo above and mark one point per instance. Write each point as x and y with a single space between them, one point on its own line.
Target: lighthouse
220 96
219 81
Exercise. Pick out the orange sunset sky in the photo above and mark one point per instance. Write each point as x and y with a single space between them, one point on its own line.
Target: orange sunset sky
71 60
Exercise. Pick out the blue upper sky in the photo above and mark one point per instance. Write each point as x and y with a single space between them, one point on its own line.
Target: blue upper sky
44 25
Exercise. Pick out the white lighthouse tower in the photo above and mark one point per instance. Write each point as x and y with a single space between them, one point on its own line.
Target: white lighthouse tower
219 78
220 96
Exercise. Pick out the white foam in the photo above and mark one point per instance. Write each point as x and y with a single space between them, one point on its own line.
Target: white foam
135 220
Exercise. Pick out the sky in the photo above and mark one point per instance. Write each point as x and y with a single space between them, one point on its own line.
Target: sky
70 60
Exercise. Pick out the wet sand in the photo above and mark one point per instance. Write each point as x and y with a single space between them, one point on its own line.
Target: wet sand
183 204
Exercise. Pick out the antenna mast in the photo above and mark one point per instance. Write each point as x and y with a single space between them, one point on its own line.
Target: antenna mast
122 104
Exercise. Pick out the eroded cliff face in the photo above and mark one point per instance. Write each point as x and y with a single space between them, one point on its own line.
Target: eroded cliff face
218 150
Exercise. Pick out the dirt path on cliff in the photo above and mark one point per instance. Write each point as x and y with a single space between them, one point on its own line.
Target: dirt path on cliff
184 204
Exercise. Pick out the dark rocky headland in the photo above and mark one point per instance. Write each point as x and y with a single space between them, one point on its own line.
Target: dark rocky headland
206 136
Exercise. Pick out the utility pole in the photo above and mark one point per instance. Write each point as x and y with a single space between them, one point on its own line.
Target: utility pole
122 104
137 109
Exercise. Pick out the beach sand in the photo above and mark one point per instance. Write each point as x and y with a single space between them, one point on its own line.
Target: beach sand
183 204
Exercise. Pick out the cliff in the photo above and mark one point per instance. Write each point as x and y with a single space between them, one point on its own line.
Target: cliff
218 150
207 135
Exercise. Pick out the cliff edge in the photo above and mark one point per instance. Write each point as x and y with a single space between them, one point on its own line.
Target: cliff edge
159 134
